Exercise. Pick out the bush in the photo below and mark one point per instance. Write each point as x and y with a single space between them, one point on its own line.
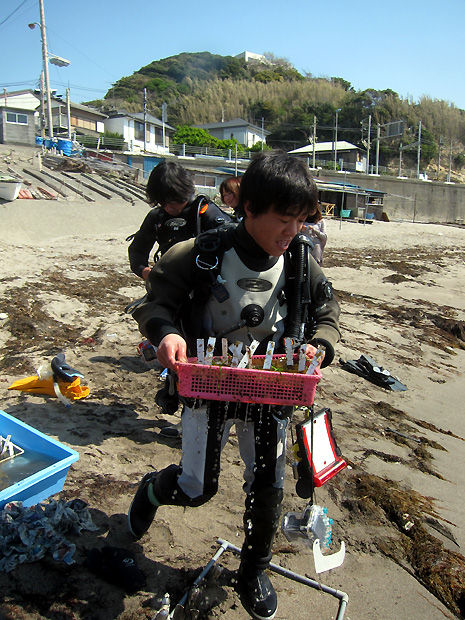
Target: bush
231 144
260 146
194 136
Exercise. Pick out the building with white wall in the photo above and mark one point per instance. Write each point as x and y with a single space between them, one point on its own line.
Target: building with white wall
131 127
239 129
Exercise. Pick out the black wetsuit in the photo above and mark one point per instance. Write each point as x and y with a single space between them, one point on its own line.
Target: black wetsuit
159 227
260 429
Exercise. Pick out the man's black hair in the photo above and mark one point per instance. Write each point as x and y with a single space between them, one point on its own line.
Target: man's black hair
169 182
276 179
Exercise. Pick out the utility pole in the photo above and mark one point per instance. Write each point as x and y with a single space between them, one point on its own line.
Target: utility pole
335 140
163 120
42 105
68 113
450 161
263 131
368 144
314 141
400 160
439 155
378 131
419 150
45 62
145 119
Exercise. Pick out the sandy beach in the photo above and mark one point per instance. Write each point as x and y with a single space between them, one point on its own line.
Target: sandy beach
64 282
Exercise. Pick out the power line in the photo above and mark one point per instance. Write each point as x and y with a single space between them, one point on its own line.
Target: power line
13 12
23 83
91 90
33 83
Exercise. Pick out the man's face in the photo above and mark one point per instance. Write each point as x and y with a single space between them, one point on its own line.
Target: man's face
273 231
174 208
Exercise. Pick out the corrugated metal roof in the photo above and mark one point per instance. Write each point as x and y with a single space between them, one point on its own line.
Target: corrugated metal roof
349 188
78 106
325 147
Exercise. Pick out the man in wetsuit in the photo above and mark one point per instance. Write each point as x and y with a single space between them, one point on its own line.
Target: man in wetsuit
277 192
178 216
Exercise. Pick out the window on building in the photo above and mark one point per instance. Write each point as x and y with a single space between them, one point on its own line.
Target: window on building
158 136
13 117
83 123
204 180
138 130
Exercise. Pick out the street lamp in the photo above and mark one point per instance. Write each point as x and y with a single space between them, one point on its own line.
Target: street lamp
335 140
58 61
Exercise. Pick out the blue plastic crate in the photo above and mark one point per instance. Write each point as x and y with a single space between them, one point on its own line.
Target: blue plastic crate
47 481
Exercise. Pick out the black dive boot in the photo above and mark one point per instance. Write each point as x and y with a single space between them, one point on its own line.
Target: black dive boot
261 519
141 511
257 593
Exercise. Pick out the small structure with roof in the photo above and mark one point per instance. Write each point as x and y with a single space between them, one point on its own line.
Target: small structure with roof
236 129
348 156
349 201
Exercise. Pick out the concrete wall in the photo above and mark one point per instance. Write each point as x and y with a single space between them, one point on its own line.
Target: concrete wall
412 200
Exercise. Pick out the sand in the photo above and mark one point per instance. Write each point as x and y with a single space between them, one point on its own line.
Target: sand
64 281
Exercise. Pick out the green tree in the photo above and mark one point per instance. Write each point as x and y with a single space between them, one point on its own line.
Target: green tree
263 109
429 147
344 83
194 136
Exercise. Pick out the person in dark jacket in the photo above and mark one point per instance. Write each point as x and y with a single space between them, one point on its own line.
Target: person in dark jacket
277 192
178 215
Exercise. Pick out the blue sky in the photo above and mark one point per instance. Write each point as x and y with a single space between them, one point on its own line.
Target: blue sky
414 47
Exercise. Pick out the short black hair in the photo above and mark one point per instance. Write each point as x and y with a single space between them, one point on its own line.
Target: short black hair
169 182
276 179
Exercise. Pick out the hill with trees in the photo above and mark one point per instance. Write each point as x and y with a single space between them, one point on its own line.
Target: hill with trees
202 87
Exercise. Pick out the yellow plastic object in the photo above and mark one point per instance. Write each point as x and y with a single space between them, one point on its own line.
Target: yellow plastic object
34 385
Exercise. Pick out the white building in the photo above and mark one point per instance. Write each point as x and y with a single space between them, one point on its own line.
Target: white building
247 56
131 127
239 129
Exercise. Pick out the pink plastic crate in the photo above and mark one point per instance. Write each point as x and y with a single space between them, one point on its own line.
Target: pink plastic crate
247 385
